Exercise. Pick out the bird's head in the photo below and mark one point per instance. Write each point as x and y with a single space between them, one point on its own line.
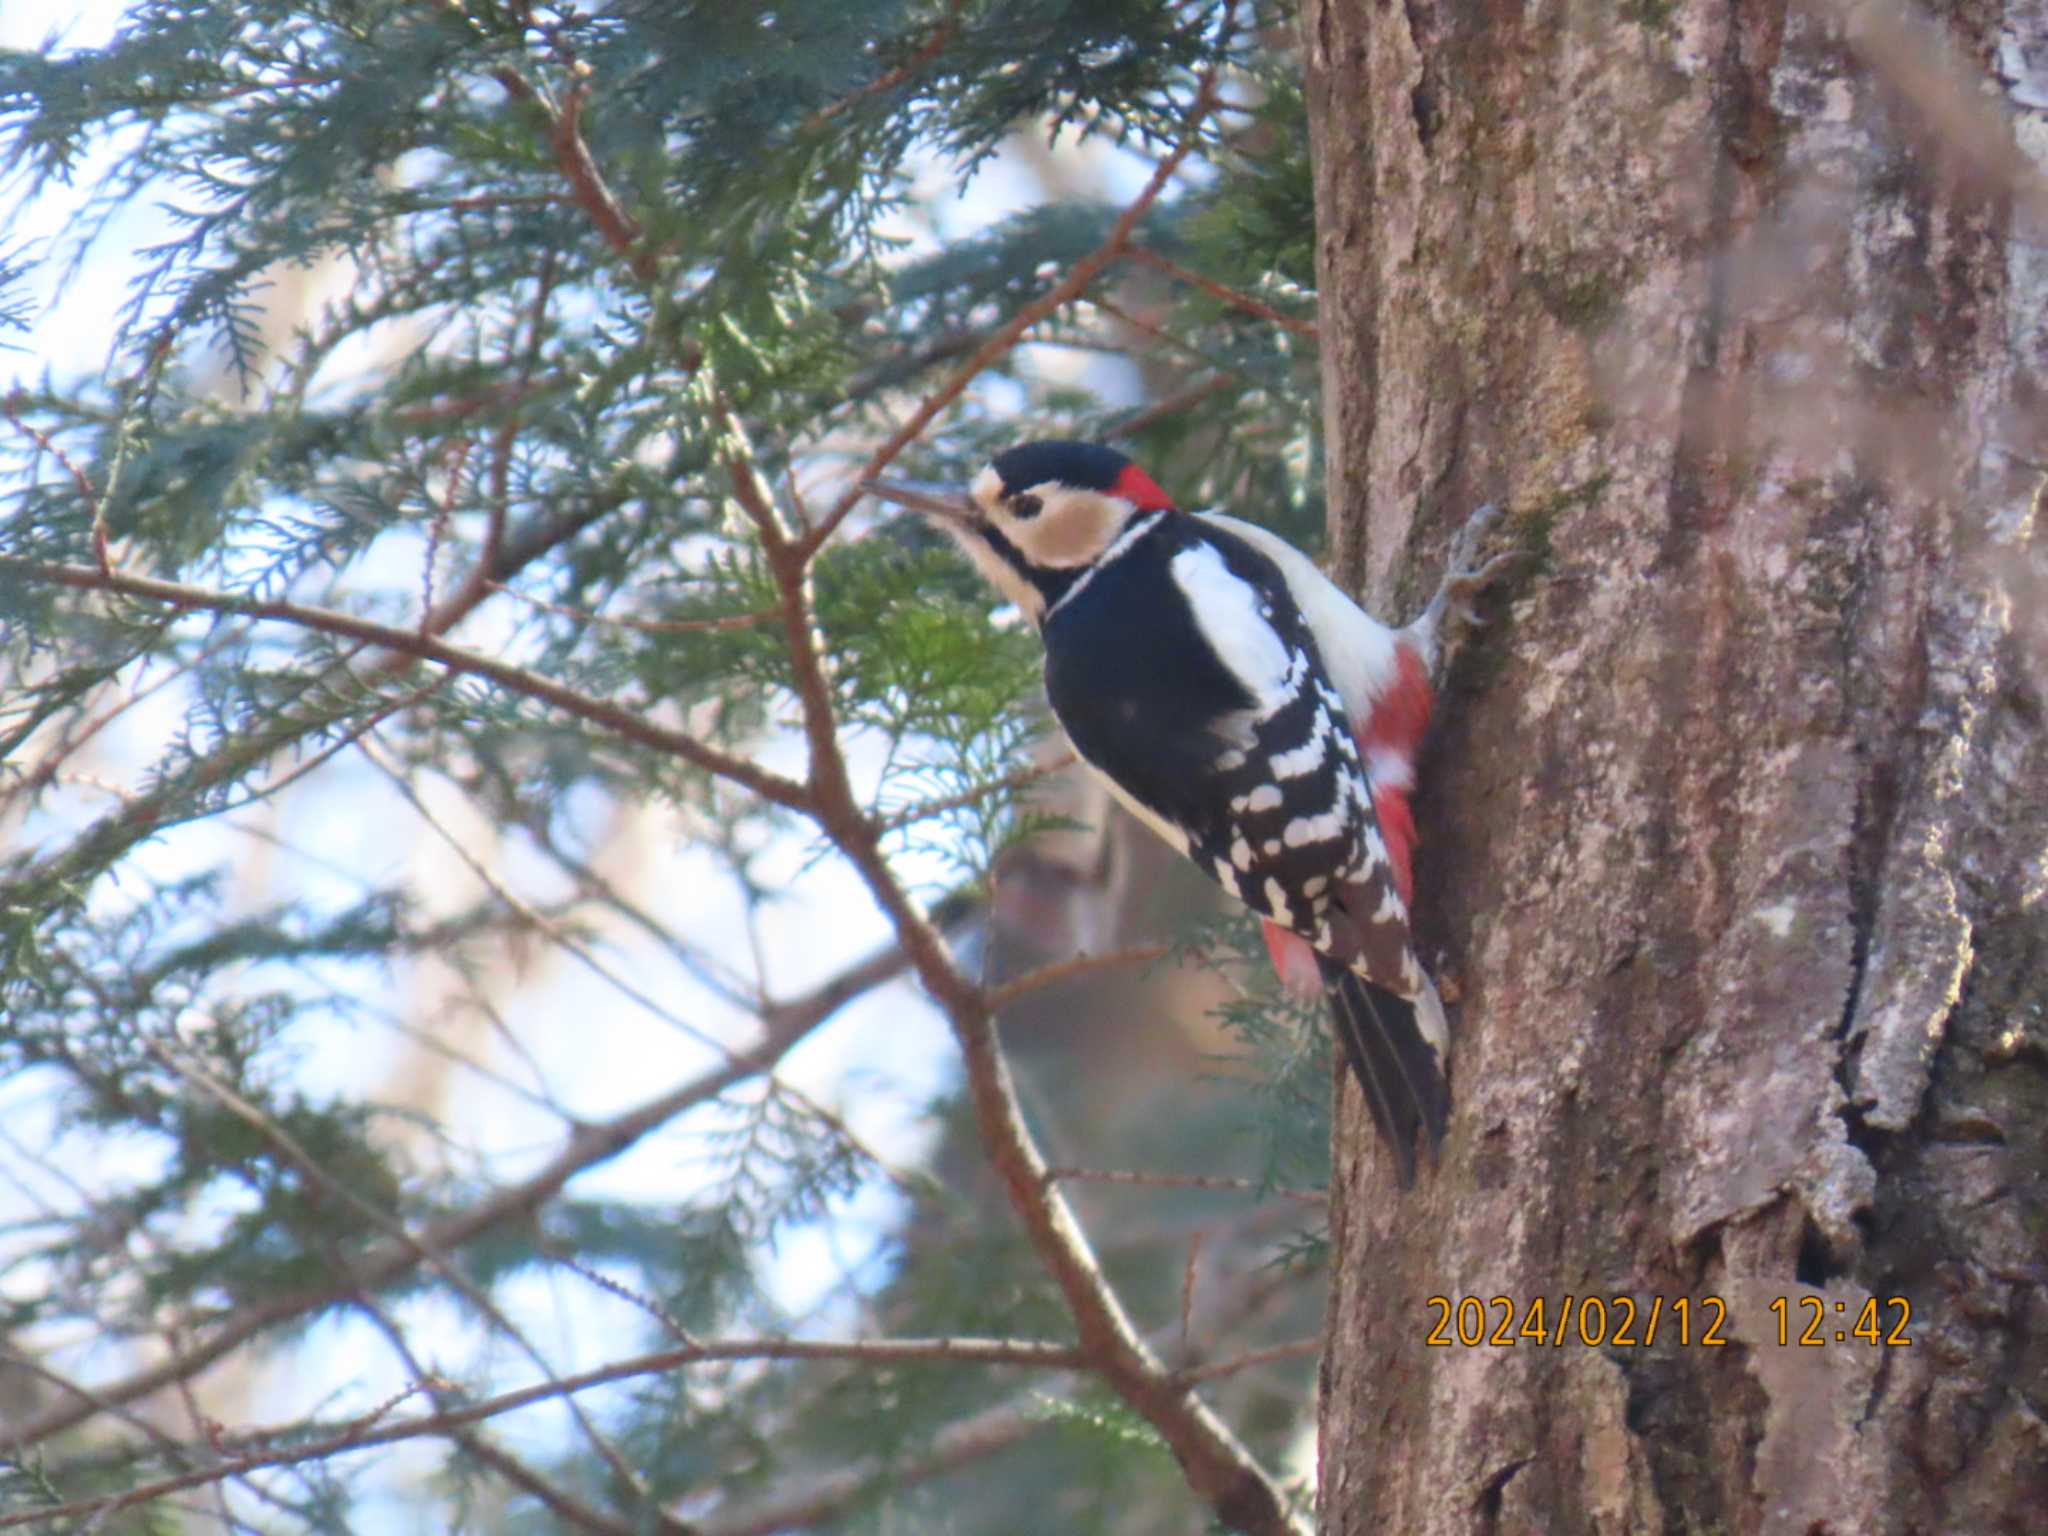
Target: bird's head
1038 516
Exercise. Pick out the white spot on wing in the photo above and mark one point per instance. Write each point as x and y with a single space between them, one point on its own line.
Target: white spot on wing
1265 798
1276 904
1305 758
1313 829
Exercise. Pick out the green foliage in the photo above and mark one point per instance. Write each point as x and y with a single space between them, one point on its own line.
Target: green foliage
458 317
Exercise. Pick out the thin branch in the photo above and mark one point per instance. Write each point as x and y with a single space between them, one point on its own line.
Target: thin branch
625 721
1058 971
1009 783
1215 1463
1222 292
498 504
953 1447
726 621
1138 1177
889 79
562 1503
586 182
1161 335
396 1231
1168 407
1031 1353
1293 1349
588 1145
1077 281
162 805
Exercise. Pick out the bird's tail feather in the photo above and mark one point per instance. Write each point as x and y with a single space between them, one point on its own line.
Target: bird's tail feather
1397 1064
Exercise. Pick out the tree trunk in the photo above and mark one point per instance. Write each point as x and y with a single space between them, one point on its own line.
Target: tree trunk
1734 824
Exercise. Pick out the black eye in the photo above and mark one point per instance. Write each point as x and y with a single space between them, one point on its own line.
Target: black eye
1026 506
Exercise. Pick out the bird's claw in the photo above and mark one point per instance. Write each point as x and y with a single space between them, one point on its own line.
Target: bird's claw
1465 543
1452 611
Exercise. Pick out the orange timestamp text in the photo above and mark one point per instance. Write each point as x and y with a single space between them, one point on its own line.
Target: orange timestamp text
1624 1322
1617 1322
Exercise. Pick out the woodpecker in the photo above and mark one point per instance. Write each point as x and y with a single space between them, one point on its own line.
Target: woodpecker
1240 705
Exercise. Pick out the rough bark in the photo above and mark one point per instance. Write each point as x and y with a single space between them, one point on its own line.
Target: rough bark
1736 824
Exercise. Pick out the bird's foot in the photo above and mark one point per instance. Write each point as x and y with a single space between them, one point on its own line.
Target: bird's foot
1441 630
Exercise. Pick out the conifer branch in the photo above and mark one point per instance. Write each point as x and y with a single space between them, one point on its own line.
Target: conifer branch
935 44
1077 281
307 491
1217 1466
628 723
589 1144
1008 784
1029 1353
587 187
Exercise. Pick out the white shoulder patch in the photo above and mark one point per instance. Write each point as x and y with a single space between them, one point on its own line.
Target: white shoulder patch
1243 637
1357 648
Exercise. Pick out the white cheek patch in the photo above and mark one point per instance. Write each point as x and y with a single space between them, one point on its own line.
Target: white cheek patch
1072 529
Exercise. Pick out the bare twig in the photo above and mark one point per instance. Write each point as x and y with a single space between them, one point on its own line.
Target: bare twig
1168 407
388 1224
1144 1180
586 183
564 1504
1160 334
951 1448
11 409
1222 292
1293 1349
1058 971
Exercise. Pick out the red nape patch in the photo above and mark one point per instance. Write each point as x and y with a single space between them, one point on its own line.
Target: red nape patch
1294 960
1141 490
1400 716
1397 828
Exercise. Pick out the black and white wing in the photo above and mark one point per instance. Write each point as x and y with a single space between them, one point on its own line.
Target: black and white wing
1214 720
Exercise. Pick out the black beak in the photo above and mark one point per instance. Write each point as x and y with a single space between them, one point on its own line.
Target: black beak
949 504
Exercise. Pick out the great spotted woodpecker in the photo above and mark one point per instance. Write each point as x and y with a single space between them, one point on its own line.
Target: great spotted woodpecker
1251 714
